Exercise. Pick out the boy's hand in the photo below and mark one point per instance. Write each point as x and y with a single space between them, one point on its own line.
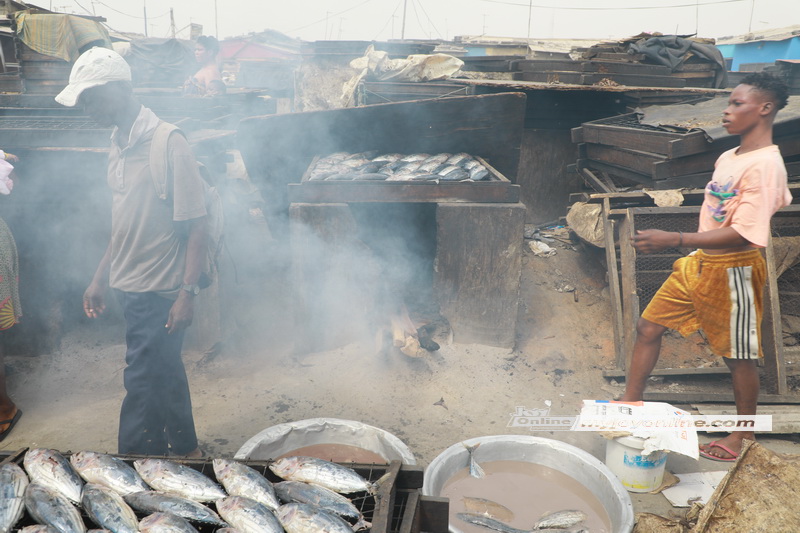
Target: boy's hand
654 240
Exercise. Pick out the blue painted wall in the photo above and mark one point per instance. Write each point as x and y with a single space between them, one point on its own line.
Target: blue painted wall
760 51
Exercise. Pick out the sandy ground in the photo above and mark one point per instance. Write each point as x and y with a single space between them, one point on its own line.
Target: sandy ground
71 397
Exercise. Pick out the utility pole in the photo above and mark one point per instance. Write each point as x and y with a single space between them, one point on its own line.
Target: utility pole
403 27
484 24
530 8
750 25
144 5
172 22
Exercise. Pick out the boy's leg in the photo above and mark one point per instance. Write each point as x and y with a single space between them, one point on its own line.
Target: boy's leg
744 374
645 356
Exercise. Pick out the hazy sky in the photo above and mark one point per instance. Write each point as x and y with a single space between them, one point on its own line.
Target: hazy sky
442 19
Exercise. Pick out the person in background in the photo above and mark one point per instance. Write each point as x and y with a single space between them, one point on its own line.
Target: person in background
719 287
154 258
207 81
10 309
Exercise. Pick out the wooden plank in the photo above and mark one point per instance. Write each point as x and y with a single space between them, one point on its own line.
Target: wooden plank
706 397
434 514
376 191
384 501
630 298
621 172
542 65
410 521
635 160
478 268
577 78
617 316
595 182
771 330
674 372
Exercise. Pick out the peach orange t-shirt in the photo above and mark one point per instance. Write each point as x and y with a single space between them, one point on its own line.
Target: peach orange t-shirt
744 192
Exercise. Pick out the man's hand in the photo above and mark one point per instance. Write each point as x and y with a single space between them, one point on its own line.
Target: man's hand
654 240
94 300
181 313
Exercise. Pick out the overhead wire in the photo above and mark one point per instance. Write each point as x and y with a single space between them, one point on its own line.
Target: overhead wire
127 14
390 19
625 8
332 15
422 7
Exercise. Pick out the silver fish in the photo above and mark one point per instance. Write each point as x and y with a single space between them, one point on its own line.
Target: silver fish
38 528
52 469
109 471
241 480
475 469
388 158
489 508
489 523
173 478
152 502
478 173
165 523
228 530
108 510
415 158
304 518
299 492
13 482
50 507
560 519
330 475
248 516
408 168
458 159
454 175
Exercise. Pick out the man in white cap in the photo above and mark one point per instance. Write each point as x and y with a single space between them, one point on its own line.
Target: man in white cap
154 258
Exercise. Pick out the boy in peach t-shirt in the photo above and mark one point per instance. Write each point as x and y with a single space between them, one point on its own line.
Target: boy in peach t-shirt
719 287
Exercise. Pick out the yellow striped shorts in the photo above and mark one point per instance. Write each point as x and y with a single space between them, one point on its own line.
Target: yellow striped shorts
720 294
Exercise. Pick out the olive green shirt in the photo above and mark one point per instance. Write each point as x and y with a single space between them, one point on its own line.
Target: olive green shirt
148 252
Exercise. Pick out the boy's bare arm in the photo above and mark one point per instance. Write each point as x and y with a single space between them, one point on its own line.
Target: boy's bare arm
654 240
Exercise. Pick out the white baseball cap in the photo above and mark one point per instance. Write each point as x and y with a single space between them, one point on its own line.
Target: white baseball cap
94 67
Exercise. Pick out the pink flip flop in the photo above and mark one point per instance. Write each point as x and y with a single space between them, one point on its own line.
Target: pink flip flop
715 444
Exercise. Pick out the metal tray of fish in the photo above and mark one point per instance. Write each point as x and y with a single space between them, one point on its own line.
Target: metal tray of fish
377 509
366 177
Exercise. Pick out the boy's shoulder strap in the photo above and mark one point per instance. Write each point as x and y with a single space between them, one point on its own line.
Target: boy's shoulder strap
159 156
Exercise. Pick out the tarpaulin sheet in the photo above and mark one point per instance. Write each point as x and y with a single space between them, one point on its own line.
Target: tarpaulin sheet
672 51
62 36
707 116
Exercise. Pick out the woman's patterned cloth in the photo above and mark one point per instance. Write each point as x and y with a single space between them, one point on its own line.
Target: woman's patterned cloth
10 309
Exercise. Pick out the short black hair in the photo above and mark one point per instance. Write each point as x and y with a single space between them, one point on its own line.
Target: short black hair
209 42
769 83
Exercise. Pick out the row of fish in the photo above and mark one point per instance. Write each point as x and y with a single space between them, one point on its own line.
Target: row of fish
310 499
367 166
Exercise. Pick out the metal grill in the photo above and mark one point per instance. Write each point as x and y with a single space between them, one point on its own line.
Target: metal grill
652 270
786 238
366 504
48 123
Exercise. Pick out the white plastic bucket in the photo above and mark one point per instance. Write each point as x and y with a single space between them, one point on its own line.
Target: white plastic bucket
284 438
637 472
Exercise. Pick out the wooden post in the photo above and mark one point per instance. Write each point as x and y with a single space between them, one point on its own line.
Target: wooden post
630 298
617 316
772 331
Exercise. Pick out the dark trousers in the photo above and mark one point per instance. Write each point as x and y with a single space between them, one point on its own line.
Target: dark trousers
156 415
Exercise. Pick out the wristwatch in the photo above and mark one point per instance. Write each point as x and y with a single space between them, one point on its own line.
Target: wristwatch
191 289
